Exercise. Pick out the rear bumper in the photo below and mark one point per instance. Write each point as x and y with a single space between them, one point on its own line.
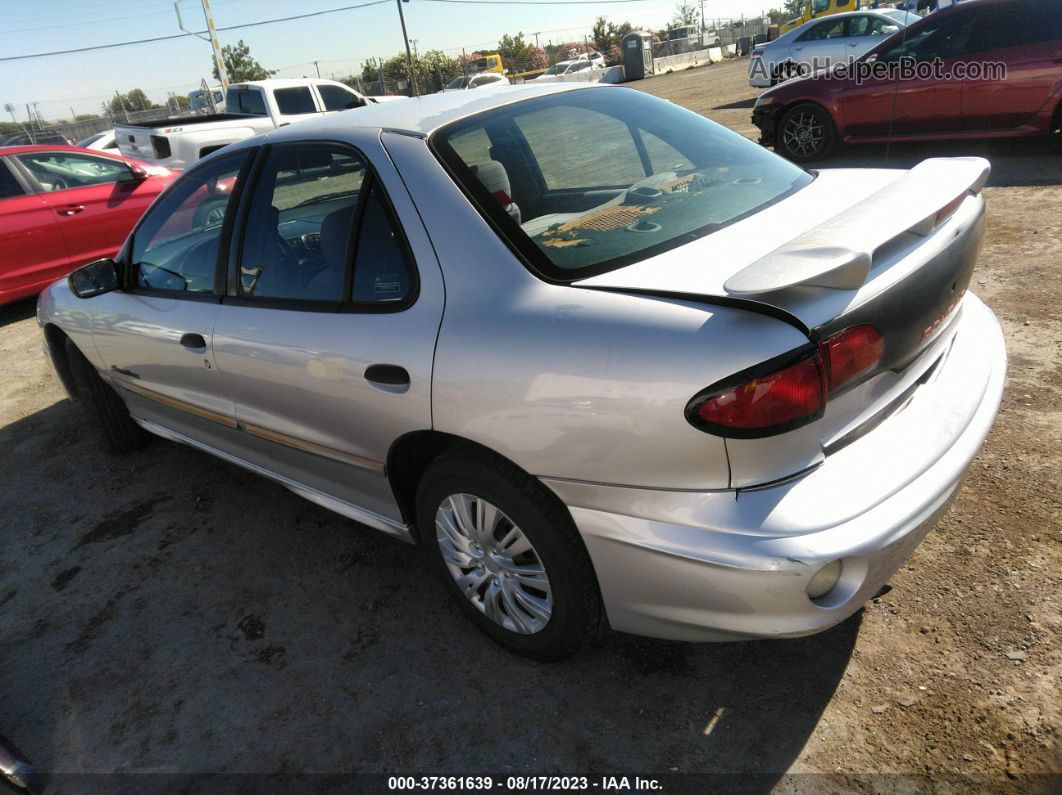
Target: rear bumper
731 565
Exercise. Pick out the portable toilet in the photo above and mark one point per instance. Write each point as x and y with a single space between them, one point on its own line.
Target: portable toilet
637 54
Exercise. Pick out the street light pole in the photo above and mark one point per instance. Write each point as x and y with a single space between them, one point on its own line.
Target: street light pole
318 68
409 54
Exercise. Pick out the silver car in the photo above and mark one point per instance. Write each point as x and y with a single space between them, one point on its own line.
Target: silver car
596 355
823 42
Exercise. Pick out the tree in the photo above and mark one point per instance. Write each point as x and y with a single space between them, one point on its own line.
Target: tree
240 65
794 8
685 14
518 55
430 69
127 103
608 34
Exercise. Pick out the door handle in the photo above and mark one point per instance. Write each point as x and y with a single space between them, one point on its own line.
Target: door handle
387 375
72 209
195 342
853 44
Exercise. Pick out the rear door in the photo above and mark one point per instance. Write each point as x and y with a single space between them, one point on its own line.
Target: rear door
31 249
294 103
155 335
1025 39
327 332
94 200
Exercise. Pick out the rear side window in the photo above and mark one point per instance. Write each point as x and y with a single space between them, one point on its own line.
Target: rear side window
824 30
175 247
320 230
1017 24
336 98
245 100
292 101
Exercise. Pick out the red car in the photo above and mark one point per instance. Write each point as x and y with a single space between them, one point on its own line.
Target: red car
61 207
977 69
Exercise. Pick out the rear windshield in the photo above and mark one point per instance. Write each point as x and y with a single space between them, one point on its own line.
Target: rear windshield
590 180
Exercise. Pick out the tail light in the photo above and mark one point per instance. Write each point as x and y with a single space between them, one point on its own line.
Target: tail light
160 144
787 392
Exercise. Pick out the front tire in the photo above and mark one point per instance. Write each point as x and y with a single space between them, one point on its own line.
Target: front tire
805 133
508 553
105 410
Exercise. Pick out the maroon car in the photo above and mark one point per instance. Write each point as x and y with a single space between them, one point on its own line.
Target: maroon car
978 69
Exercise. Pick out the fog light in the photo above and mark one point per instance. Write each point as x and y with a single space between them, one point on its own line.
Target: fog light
824 580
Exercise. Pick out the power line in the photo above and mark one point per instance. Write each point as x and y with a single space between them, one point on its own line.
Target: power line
537 2
185 35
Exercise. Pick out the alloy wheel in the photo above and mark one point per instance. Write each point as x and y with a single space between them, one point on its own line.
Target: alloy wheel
804 134
494 564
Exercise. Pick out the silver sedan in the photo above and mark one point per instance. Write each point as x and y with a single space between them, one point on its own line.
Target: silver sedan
600 358
823 42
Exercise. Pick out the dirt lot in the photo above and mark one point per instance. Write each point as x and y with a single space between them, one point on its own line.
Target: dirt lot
169 613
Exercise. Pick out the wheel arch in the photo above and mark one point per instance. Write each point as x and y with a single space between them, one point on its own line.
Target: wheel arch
410 456
57 340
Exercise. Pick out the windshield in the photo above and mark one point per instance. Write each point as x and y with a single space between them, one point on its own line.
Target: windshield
557 68
590 180
458 82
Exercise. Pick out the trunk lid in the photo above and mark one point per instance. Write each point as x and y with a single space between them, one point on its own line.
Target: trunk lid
854 247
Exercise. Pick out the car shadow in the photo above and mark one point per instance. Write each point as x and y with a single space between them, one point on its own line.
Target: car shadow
167 611
741 103
1015 162
17 310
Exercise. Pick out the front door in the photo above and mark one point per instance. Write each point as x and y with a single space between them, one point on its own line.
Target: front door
327 335
155 335
95 200
915 95
820 46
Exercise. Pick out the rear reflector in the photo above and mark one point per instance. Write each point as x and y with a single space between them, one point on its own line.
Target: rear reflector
788 392
161 145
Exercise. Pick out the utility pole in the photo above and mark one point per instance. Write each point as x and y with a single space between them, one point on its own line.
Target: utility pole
212 37
409 54
536 40
414 43
318 68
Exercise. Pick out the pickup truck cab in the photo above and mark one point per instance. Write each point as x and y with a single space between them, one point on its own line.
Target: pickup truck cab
251 108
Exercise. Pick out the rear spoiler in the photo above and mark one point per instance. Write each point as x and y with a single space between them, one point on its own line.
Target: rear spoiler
837 253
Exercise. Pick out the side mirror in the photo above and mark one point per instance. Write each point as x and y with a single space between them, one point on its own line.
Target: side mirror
138 171
96 278
872 58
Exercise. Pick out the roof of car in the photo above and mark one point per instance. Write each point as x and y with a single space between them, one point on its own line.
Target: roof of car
423 115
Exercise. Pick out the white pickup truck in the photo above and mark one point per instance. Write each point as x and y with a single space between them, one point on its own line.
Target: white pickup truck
251 108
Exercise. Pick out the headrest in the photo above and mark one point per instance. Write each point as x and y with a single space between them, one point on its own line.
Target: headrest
494 178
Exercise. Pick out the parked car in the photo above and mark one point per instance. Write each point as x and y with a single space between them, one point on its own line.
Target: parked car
33 137
672 374
464 82
805 118
567 68
61 207
822 43
199 100
251 108
103 141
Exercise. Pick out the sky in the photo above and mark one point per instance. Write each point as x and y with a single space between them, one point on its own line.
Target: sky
340 42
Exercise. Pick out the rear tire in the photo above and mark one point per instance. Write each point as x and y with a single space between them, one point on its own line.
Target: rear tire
805 133
105 410
563 584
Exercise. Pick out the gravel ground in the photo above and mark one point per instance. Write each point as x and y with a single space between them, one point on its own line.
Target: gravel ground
168 613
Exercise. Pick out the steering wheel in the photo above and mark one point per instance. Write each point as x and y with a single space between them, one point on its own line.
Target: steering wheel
58 183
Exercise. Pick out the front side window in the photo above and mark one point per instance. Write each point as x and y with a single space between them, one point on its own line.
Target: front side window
62 171
293 101
176 245
946 36
586 181
336 98
314 206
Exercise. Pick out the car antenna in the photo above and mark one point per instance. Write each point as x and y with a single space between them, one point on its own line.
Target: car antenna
895 90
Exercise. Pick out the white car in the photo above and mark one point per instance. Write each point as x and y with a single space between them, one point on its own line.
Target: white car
104 142
569 67
465 82
823 42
